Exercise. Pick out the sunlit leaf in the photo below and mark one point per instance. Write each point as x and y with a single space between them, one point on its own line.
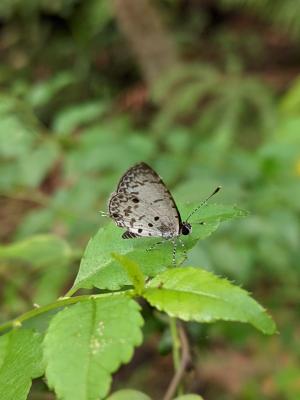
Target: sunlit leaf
86 342
193 294
20 362
98 267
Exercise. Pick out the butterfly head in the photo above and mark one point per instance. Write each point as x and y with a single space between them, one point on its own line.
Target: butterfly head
185 228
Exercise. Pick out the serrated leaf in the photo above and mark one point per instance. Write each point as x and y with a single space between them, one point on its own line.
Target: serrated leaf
214 212
20 361
128 394
38 251
98 267
133 270
193 294
86 342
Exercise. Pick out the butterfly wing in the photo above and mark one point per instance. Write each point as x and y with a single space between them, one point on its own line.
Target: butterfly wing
144 205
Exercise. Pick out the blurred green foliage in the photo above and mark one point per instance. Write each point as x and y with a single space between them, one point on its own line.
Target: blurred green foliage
286 13
74 115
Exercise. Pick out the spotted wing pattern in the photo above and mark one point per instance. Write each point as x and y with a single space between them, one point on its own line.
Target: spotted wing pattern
143 205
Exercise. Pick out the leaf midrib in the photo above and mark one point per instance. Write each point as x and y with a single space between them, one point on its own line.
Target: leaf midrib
215 297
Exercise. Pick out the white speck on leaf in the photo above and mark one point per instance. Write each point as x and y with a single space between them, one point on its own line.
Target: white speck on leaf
94 345
100 329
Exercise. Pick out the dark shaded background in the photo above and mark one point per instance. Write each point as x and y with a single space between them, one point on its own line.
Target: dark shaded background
207 92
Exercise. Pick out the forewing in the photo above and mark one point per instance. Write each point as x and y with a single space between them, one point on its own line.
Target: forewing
144 205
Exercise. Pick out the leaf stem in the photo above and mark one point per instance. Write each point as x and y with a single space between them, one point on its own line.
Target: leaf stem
71 291
62 302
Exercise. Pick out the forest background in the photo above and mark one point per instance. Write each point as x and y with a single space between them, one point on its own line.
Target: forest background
208 93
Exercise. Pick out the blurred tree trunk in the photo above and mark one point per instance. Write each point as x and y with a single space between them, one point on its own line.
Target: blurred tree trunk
150 41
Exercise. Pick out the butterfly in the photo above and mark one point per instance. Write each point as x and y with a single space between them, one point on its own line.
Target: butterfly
143 205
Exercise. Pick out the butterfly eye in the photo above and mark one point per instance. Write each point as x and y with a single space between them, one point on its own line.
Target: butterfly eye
186 229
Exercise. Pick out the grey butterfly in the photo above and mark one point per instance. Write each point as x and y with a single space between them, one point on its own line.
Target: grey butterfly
144 206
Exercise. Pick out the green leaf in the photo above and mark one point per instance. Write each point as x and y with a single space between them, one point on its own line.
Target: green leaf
16 138
193 294
290 102
128 394
133 270
90 18
210 215
34 165
214 212
98 142
34 222
38 251
67 120
20 361
45 91
86 342
98 267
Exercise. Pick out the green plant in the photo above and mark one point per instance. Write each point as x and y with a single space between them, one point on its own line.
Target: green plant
285 13
79 341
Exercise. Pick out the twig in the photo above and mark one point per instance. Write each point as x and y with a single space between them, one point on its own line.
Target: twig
185 360
62 302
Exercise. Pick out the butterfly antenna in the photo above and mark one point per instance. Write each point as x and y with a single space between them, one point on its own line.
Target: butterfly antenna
204 202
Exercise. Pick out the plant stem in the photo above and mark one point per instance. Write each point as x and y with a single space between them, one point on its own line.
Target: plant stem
176 343
71 291
180 341
64 301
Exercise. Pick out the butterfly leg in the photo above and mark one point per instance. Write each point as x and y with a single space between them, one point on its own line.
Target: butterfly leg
174 251
184 250
153 246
